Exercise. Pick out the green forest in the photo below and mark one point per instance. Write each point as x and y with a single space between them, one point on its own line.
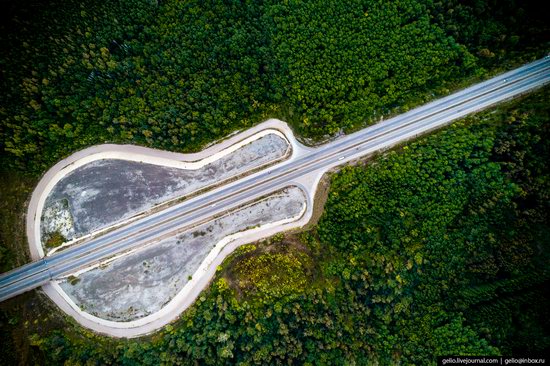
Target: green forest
178 74
441 247
438 247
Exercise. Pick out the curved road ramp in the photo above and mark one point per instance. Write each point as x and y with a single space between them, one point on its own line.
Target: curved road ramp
124 238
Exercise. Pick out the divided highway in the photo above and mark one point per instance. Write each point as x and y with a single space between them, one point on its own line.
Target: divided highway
186 214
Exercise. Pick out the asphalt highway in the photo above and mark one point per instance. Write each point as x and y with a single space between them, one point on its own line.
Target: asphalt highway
149 229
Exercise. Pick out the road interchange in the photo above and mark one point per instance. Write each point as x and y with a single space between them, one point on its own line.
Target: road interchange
313 161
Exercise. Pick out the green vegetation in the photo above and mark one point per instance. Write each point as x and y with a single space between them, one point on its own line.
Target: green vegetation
268 274
73 280
440 248
176 75
54 240
15 189
345 62
456 227
510 31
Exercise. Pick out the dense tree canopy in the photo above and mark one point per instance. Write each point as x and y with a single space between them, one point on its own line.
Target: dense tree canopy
176 75
345 62
440 248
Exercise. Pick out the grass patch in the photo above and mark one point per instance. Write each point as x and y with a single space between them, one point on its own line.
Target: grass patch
73 280
55 240
270 270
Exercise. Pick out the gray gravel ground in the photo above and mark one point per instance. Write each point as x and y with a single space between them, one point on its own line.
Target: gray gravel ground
140 283
104 192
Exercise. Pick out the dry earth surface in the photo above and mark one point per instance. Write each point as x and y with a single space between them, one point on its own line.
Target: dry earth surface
105 192
141 283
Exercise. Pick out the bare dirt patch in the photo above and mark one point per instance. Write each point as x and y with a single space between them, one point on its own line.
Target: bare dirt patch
141 283
58 223
104 192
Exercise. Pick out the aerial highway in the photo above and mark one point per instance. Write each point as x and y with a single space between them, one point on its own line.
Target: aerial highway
187 214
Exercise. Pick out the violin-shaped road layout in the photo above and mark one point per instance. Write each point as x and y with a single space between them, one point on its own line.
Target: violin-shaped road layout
125 238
